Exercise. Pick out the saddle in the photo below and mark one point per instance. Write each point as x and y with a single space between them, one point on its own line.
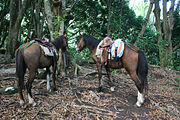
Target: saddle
45 42
106 43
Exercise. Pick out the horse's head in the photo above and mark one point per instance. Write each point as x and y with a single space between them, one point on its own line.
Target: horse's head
61 43
64 45
81 43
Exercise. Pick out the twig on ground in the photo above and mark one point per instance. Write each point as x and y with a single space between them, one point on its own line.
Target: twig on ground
52 107
164 109
97 110
35 115
94 95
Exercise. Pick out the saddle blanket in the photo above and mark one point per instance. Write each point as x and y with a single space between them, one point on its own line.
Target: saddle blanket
117 48
117 45
48 52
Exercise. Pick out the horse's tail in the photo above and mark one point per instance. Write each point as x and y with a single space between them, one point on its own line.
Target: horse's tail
20 67
142 70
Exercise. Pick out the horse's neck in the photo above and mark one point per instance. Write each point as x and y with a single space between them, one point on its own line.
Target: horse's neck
91 44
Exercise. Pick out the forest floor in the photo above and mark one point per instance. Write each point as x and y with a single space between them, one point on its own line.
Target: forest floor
77 97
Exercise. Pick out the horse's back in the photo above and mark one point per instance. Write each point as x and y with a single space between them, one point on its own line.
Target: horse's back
130 58
34 57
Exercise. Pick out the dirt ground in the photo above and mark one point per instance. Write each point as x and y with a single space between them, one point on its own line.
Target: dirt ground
77 97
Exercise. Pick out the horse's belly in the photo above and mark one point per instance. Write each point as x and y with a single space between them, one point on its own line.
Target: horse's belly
115 64
45 62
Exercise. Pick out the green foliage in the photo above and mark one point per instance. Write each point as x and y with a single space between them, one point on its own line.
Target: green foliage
91 17
176 38
149 45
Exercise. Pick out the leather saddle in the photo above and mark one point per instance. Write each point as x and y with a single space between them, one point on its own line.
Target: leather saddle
46 43
106 43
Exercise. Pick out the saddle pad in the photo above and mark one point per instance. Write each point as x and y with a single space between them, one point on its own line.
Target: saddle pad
48 52
99 50
119 46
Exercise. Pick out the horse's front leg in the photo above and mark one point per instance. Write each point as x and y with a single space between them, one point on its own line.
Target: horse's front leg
99 68
48 79
110 83
54 77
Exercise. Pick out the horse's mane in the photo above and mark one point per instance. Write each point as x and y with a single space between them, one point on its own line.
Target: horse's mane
58 42
91 41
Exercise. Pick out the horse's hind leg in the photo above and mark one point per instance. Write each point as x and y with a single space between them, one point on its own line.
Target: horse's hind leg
29 86
20 88
140 98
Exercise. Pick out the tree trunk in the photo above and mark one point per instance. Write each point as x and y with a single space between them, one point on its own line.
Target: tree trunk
37 19
4 12
49 17
15 24
62 56
146 20
109 17
167 28
158 29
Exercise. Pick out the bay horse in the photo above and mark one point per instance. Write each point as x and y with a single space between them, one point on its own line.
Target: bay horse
133 60
30 55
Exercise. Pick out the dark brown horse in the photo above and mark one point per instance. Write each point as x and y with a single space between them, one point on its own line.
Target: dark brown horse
30 55
133 60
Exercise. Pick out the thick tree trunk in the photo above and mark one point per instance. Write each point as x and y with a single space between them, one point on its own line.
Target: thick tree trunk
49 17
158 29
146 20
63 57
37 19
168 24
4 12
15 24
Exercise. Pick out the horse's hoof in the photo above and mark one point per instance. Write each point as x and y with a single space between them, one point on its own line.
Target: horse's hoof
54 89
138 104
112 88
24 106
34 104
22 102
99 89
